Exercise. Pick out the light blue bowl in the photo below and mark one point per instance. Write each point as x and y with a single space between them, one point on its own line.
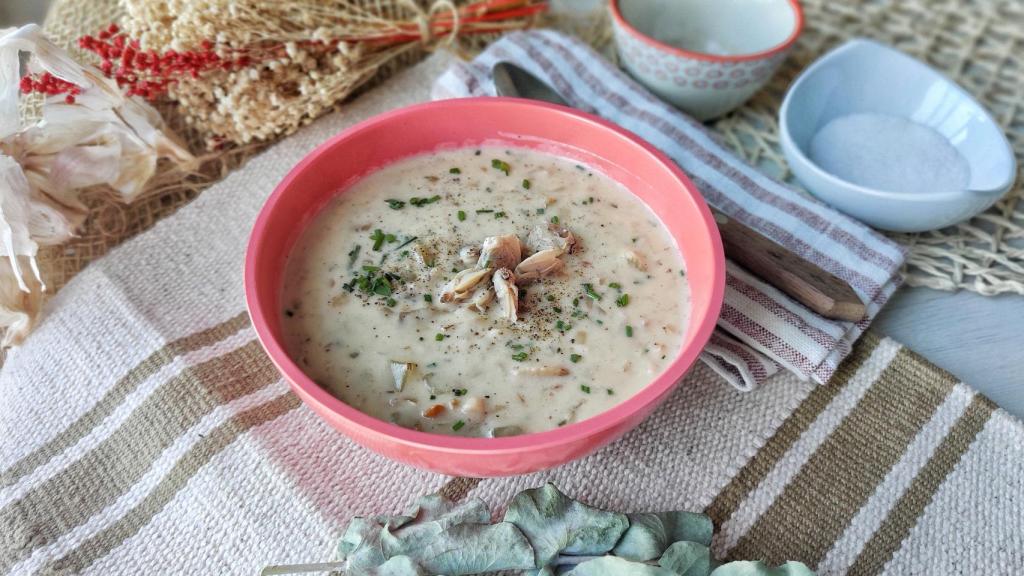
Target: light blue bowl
863 76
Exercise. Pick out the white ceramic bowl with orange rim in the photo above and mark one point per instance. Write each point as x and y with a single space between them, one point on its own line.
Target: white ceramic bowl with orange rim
706 57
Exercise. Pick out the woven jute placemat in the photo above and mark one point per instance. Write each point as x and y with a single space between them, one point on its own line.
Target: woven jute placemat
979 43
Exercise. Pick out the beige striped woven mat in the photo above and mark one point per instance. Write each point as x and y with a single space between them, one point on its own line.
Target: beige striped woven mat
142 430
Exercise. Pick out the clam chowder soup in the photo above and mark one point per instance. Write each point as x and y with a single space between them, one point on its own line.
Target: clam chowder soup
484 292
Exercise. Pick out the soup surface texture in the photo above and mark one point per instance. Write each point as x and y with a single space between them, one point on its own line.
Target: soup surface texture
484 292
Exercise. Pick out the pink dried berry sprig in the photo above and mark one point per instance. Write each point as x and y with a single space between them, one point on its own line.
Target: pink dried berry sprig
49 85
148 73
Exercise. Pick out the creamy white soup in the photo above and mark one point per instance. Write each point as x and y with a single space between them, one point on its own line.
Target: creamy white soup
484 292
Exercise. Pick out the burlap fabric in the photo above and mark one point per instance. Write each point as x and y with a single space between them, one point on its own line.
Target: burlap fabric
978 43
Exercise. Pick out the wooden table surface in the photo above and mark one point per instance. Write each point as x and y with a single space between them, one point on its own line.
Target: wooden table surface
980 339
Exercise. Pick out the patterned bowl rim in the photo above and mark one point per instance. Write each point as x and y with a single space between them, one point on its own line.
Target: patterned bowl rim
798 13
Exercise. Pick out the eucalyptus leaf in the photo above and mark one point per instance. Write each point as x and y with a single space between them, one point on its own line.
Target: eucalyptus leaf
555 523
475 548
396 566
746 568
649 534
615 566
431 516
687 559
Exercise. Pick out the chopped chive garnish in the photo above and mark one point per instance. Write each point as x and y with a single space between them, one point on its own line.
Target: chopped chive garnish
520 356
439 337
390 238
353 255
574 358
499 215
484 211
458 425
368 268
556 309
391 302
395 204
454 171
611 392
585 388
428 298
554 219
460 391
615 285
526 184
591 293
420 202
682 272
501 165
461 215
575 302
622 301
433 397
540 211
629 331
406 243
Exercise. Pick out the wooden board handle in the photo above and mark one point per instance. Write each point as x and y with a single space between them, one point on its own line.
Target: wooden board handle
819 290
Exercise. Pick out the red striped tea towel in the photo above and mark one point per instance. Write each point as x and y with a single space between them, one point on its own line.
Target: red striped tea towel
760 330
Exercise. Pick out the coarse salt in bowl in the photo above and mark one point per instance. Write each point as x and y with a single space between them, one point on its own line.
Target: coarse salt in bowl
424 128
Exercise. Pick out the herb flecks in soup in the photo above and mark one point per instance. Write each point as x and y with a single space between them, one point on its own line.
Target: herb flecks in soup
485 292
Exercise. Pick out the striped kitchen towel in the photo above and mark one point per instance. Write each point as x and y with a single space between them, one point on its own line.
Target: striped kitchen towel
761 329
143 431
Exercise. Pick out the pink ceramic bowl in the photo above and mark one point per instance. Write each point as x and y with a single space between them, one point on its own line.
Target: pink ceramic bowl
384 139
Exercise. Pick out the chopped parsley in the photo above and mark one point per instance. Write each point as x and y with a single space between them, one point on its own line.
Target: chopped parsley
562 326
520 356
588 288
379 238
458 425
428 298
395 204
461 215
585 388
454 171
540 211
420 202
460 391
611 392
499 215
622 301
391 302
629 331
501 165
554 219
526 184
574 358
439 337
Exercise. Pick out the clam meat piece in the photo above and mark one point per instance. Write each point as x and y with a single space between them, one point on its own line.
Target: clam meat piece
401 371
462 285
500 252
541 371
539 265
552 236
507 293
482 301
635 259
469 254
